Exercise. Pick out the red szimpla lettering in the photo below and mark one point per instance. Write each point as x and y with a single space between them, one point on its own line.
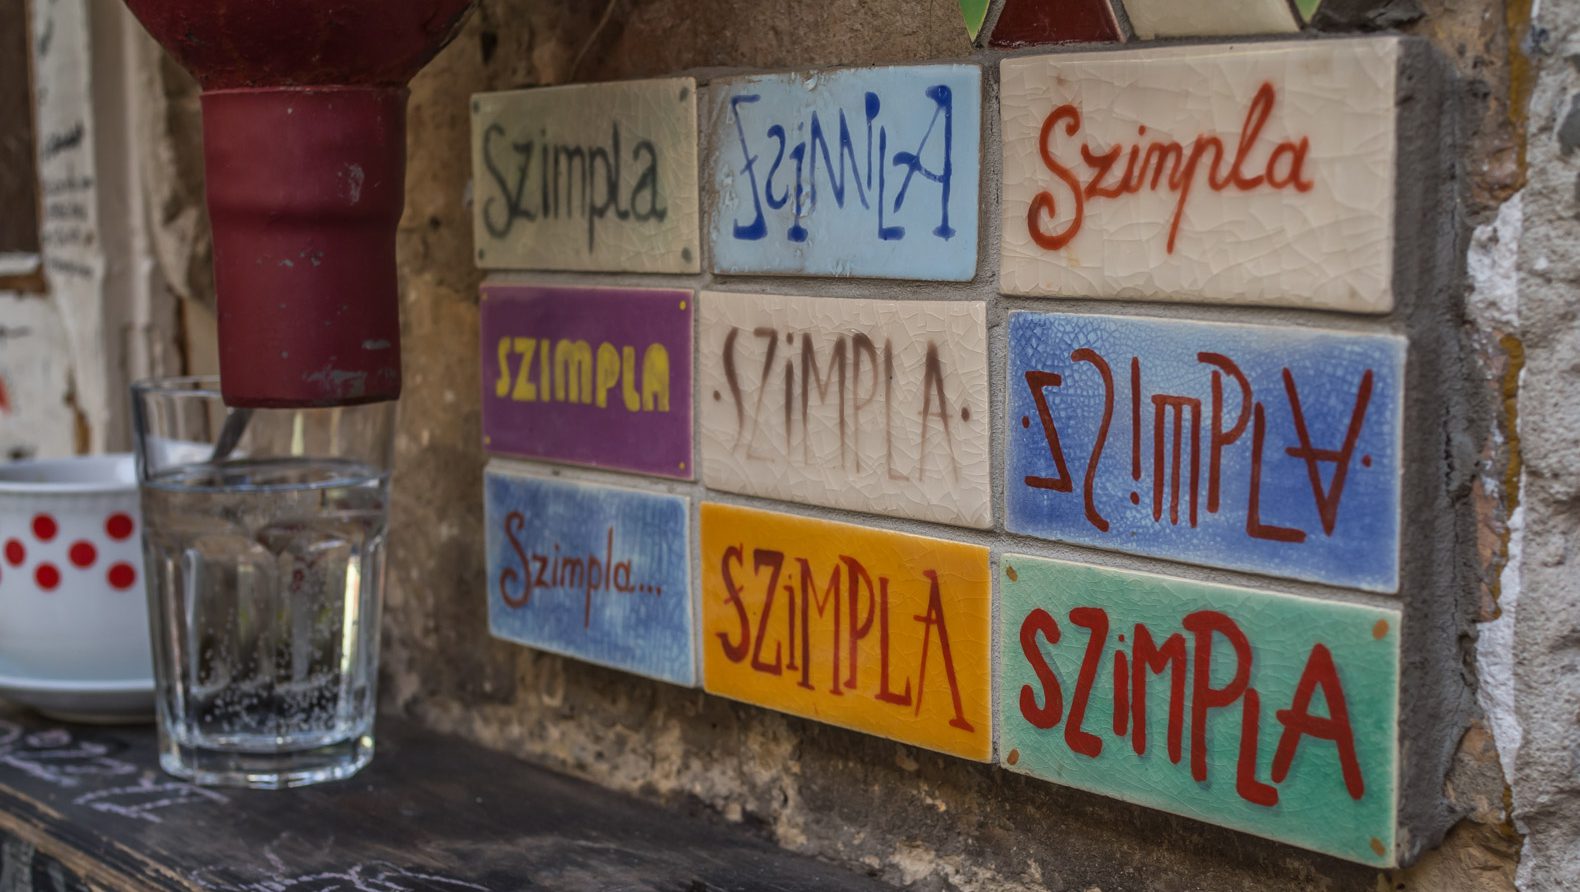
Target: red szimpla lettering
1160 164
841 602
1195 700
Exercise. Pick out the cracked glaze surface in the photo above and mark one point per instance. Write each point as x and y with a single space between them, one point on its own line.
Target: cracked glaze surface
848 172
1260 448
881 632
1298 211
599 573
1319 679
587 177
1205 18
868 405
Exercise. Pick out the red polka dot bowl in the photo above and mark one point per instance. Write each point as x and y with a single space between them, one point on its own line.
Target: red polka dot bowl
73 609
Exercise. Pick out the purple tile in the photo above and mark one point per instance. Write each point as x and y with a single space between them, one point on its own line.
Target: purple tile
589 376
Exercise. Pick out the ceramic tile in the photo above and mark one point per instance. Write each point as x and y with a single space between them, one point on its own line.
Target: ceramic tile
1269 449
587 177
974 12
880 632
591 376
599 573
1203 18
1266 713
1030 22
1251 174
851 172
870 405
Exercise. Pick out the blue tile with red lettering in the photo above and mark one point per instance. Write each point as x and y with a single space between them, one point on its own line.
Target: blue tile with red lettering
1273 450
599 573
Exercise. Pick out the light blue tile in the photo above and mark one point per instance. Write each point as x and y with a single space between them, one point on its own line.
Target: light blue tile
867 172
594 572
1115 439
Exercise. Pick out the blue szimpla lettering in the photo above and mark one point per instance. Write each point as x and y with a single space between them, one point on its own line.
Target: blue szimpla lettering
758 228
776 132
802 194
846 150
912 161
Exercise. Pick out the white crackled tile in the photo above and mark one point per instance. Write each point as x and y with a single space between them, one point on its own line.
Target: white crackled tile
1253 174
869 405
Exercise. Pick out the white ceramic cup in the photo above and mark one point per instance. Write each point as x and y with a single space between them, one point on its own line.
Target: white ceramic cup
73 606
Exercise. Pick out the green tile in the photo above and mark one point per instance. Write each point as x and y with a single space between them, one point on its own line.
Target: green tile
1297 739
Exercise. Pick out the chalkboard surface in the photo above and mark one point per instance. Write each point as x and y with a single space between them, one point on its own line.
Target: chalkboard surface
431 813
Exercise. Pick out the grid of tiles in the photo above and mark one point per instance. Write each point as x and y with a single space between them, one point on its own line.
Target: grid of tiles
871 402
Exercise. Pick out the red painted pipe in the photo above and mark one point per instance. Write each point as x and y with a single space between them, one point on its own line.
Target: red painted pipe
304 140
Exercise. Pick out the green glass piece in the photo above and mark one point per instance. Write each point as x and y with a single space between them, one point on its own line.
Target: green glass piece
975 12
1307 8
1073 639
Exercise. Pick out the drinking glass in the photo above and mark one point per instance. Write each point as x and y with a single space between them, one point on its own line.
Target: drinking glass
263 539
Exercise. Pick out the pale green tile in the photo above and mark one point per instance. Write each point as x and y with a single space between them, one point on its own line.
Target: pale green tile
1316 806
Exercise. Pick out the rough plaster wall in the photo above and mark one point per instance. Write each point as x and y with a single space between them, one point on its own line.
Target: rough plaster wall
1546 641
905 815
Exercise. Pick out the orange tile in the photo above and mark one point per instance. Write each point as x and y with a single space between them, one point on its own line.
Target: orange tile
880 632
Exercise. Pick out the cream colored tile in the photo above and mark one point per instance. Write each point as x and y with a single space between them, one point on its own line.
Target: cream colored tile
1201 18
1260 174
870 405
587 177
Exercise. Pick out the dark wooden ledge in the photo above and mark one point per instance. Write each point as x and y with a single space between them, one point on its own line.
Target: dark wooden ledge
87 808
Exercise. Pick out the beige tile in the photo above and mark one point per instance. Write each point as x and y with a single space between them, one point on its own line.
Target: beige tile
870 405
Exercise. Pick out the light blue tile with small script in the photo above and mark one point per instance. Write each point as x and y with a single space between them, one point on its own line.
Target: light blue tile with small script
866 172
598 573
1272 449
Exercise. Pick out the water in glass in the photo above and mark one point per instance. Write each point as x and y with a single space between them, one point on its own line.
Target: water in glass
265 581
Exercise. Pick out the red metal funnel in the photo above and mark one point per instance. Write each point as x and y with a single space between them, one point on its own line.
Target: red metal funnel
304 141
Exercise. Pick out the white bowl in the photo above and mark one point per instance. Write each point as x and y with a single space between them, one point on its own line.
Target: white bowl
73 607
